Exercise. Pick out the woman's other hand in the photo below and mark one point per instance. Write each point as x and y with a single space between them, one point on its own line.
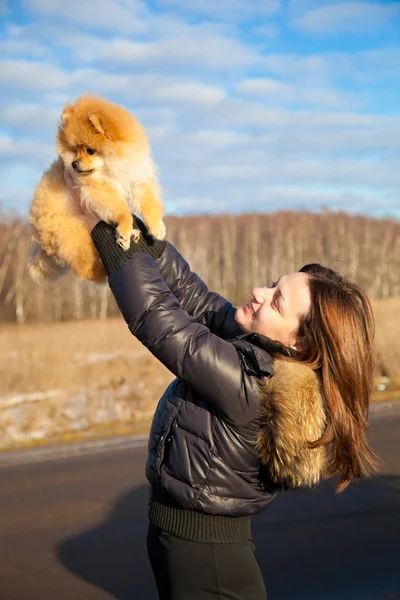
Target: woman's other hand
91 217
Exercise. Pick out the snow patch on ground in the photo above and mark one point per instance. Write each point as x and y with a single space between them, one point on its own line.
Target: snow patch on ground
99 357
13 400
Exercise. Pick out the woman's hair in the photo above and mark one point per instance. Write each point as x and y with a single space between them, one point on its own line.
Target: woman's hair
337 340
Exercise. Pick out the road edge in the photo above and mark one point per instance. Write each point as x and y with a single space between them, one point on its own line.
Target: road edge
86 447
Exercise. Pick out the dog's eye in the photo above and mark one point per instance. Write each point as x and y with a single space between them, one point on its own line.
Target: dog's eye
90 151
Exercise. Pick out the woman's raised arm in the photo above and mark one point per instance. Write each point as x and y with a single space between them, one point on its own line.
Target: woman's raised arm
208 364
208 308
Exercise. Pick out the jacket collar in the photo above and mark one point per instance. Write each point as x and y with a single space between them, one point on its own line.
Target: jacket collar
268 345
292 414
259 360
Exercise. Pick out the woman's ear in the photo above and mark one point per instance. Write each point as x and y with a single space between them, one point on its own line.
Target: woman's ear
296 344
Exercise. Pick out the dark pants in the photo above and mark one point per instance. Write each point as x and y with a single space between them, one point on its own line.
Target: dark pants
186 570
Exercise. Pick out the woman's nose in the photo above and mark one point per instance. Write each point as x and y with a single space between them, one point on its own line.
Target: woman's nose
259 294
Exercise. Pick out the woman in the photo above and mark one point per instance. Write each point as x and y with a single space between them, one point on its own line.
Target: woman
272 395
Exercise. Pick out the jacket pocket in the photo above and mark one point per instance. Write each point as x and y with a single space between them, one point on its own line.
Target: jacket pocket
165 441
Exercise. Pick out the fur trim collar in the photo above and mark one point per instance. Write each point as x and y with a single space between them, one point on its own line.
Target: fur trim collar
292 413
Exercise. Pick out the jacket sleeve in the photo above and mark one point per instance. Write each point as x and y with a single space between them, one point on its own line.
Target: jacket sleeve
208 308
208 364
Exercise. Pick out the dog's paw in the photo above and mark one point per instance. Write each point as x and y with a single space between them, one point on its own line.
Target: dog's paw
159 231
123 240
136 235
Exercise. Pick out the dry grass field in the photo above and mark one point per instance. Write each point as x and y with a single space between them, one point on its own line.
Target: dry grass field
387 318
68 379
74 355
85 377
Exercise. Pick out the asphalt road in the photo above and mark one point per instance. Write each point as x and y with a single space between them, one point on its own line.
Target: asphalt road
75 529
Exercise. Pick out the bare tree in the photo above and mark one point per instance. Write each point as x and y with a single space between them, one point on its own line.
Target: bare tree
231 253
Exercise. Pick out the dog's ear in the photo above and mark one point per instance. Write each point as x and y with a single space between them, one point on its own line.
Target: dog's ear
101 124
95 121
65 115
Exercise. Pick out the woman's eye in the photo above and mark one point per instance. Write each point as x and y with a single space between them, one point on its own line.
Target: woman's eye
90 151
275 305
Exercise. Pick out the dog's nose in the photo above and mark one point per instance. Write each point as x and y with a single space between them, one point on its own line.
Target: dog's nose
75 165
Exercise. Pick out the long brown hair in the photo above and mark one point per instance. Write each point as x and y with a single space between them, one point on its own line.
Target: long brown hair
337 340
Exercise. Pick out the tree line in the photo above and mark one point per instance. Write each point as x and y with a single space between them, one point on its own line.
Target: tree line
232 253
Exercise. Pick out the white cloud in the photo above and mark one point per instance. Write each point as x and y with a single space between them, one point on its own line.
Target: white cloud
226 9
269 198
266 32
195 50
218 140
279 92
239 112
34 76
347 17
22 48
334 67
261 166
37 153
189 93
236 170
125 16
378 62
136 88
172 45
30 75
296 66
303 143
263 86
29 117
323 96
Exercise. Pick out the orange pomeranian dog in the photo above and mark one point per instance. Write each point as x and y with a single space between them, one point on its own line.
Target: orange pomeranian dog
107 153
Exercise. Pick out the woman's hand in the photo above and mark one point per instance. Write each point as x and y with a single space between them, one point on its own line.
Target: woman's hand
91 217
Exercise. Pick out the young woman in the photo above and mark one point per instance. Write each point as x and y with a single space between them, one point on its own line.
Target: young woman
269 396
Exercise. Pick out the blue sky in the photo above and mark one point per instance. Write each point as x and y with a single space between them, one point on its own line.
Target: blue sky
250 105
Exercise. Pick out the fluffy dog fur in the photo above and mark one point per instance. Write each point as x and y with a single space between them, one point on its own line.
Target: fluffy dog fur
107 152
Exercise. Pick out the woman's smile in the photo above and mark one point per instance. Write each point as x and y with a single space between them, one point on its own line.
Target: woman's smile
250 309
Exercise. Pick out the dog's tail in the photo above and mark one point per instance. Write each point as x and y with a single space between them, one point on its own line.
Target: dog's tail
43 267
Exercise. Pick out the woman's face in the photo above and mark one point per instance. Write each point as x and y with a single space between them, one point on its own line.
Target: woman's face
276 311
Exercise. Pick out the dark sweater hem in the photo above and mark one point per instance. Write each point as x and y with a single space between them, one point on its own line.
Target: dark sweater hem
200 527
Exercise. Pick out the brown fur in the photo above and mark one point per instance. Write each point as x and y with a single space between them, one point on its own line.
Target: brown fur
119 177
292 414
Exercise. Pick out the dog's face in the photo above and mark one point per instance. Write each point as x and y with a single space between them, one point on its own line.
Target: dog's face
82 159
93 132
81 146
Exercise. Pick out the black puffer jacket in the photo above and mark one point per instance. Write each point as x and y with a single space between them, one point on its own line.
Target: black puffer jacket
202 448
203 452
